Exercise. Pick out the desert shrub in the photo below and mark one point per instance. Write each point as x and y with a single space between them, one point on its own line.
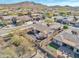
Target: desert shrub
25 46
49 14
8 53
16 40
49 21
2 42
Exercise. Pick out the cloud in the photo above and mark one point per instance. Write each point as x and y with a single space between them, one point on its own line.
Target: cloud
64 2
73 0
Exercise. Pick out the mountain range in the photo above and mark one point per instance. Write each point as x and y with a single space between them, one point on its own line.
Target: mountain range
35 5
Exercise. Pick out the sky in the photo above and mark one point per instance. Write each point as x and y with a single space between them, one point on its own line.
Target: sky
45 2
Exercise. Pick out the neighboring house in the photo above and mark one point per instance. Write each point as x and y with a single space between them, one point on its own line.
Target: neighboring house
8 19
24 18
37 17
70 40
65 20
76 24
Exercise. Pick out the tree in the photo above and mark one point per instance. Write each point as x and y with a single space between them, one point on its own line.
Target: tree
69 13
16 40
17 32
25 46
20 14
63 13
18 8
1 23
43 17
14 21
5 22
49 21
49 14
65 27
29 14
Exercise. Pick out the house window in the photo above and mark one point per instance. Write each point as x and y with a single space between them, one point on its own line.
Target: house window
77 50
64 44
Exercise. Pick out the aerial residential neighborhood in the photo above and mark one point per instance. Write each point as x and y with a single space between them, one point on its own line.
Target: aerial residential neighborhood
35 30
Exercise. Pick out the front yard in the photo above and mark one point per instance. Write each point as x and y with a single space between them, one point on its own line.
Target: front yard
53 47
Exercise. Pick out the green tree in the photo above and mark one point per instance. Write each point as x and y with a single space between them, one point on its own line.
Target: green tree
69 13
65 27
49 14
63 13
18 8
14 20
1 23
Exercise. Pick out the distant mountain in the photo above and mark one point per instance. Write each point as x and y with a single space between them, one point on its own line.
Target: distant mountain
38 5
24 4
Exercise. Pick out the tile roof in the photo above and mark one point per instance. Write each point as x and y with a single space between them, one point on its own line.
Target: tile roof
68 38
